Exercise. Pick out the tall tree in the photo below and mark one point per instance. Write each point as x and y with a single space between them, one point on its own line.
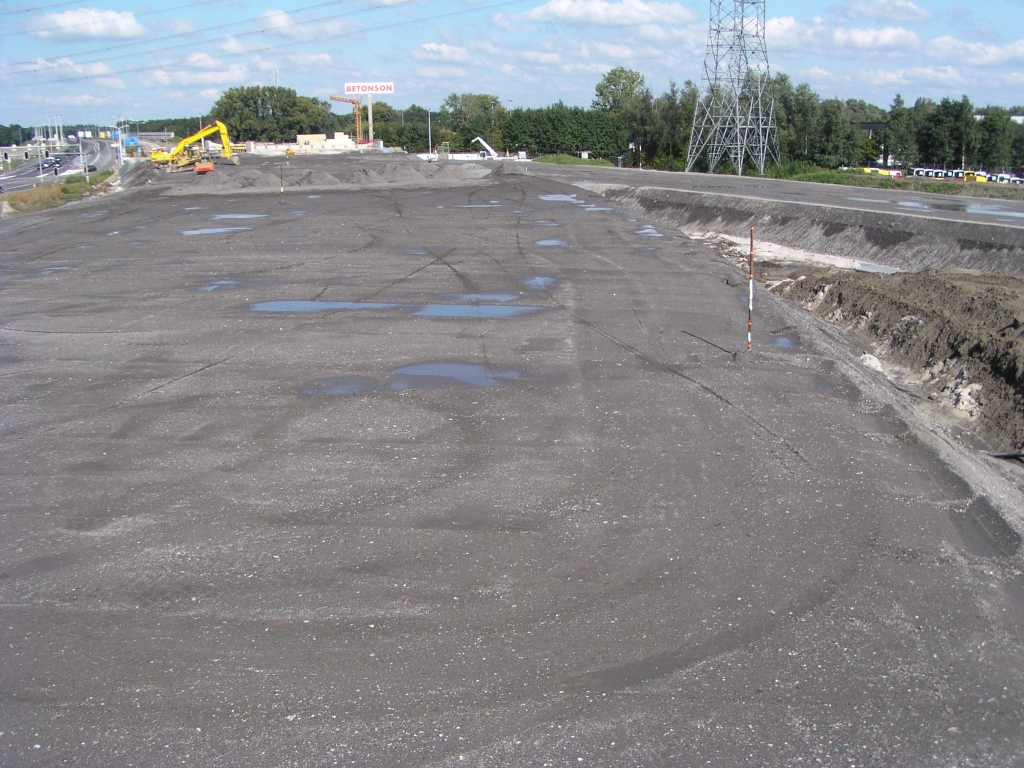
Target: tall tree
995 139
623 94
270 113
901 134
840 140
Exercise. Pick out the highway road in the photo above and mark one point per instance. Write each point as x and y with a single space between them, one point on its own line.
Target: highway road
30 174
475 475
966 209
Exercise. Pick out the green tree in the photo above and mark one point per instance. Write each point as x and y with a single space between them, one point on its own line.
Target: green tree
270 113
469 115
623 94
947 133
901 134
995 140
839 140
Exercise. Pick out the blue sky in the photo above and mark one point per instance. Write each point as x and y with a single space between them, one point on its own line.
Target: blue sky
96 60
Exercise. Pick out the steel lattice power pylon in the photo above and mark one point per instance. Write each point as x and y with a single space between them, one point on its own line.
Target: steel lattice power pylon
735 113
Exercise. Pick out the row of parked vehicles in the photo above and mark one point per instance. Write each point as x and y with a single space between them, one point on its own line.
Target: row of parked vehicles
976 176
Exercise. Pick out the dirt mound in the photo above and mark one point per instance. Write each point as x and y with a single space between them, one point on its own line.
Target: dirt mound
254 178
419 173
507 168
962 332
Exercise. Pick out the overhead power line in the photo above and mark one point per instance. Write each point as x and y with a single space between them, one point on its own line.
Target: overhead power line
89 23
40 8
266 48
149 41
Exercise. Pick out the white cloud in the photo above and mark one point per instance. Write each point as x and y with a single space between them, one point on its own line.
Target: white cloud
63 66
178 26
231 45
442 72
485 47
440 52
294 28
888 38
543 58
212 94
89 23
785 33
889 10
307 60
623 13
202 60
975 54
611 51
236 74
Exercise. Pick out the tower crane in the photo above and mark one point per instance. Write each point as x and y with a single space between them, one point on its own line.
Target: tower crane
357 110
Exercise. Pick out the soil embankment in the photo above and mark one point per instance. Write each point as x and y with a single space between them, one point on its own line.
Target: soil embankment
951 317
961 333
900 240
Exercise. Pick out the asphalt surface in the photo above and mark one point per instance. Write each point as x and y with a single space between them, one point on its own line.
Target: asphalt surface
977 210
29 174
413 526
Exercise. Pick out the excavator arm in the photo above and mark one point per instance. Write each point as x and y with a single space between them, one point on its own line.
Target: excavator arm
177 153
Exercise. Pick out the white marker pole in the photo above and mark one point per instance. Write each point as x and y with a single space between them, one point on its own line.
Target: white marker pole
750 305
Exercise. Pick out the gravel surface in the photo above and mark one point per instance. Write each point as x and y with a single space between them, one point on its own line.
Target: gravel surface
499 485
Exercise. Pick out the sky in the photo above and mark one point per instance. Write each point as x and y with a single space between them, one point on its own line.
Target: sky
96 61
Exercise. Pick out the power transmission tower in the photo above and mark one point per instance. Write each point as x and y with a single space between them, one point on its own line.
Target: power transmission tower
735 112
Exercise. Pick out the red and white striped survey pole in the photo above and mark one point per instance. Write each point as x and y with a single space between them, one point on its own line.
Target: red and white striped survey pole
750 304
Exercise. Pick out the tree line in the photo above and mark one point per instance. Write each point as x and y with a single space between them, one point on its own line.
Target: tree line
627 120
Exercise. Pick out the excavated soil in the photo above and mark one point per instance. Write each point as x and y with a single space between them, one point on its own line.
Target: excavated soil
959 334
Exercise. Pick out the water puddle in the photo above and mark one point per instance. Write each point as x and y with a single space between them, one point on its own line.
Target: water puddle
94 215
782 342
238 216
345 385
115 232
313 197
478 297
951 206
87 246
213 230
193 208
562 199
538 283
595 208
317 306
481 205
550 243
648 231
415 252
219 285
437 375
546 223
474 311
298 213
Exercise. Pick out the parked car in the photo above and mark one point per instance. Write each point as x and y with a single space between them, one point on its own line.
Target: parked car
92 169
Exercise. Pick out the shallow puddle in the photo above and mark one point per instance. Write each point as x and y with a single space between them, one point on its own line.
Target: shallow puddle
477 297
435 375
473 311
194 208
317 306
213 230
546 223
313 197
238 216
550 243
538 283
219 285
562 199
782 342
648 231
481 205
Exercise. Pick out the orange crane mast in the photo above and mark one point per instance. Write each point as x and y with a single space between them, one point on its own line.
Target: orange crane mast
357 110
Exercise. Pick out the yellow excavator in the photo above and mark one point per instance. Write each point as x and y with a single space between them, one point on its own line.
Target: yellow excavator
357 111
186 154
